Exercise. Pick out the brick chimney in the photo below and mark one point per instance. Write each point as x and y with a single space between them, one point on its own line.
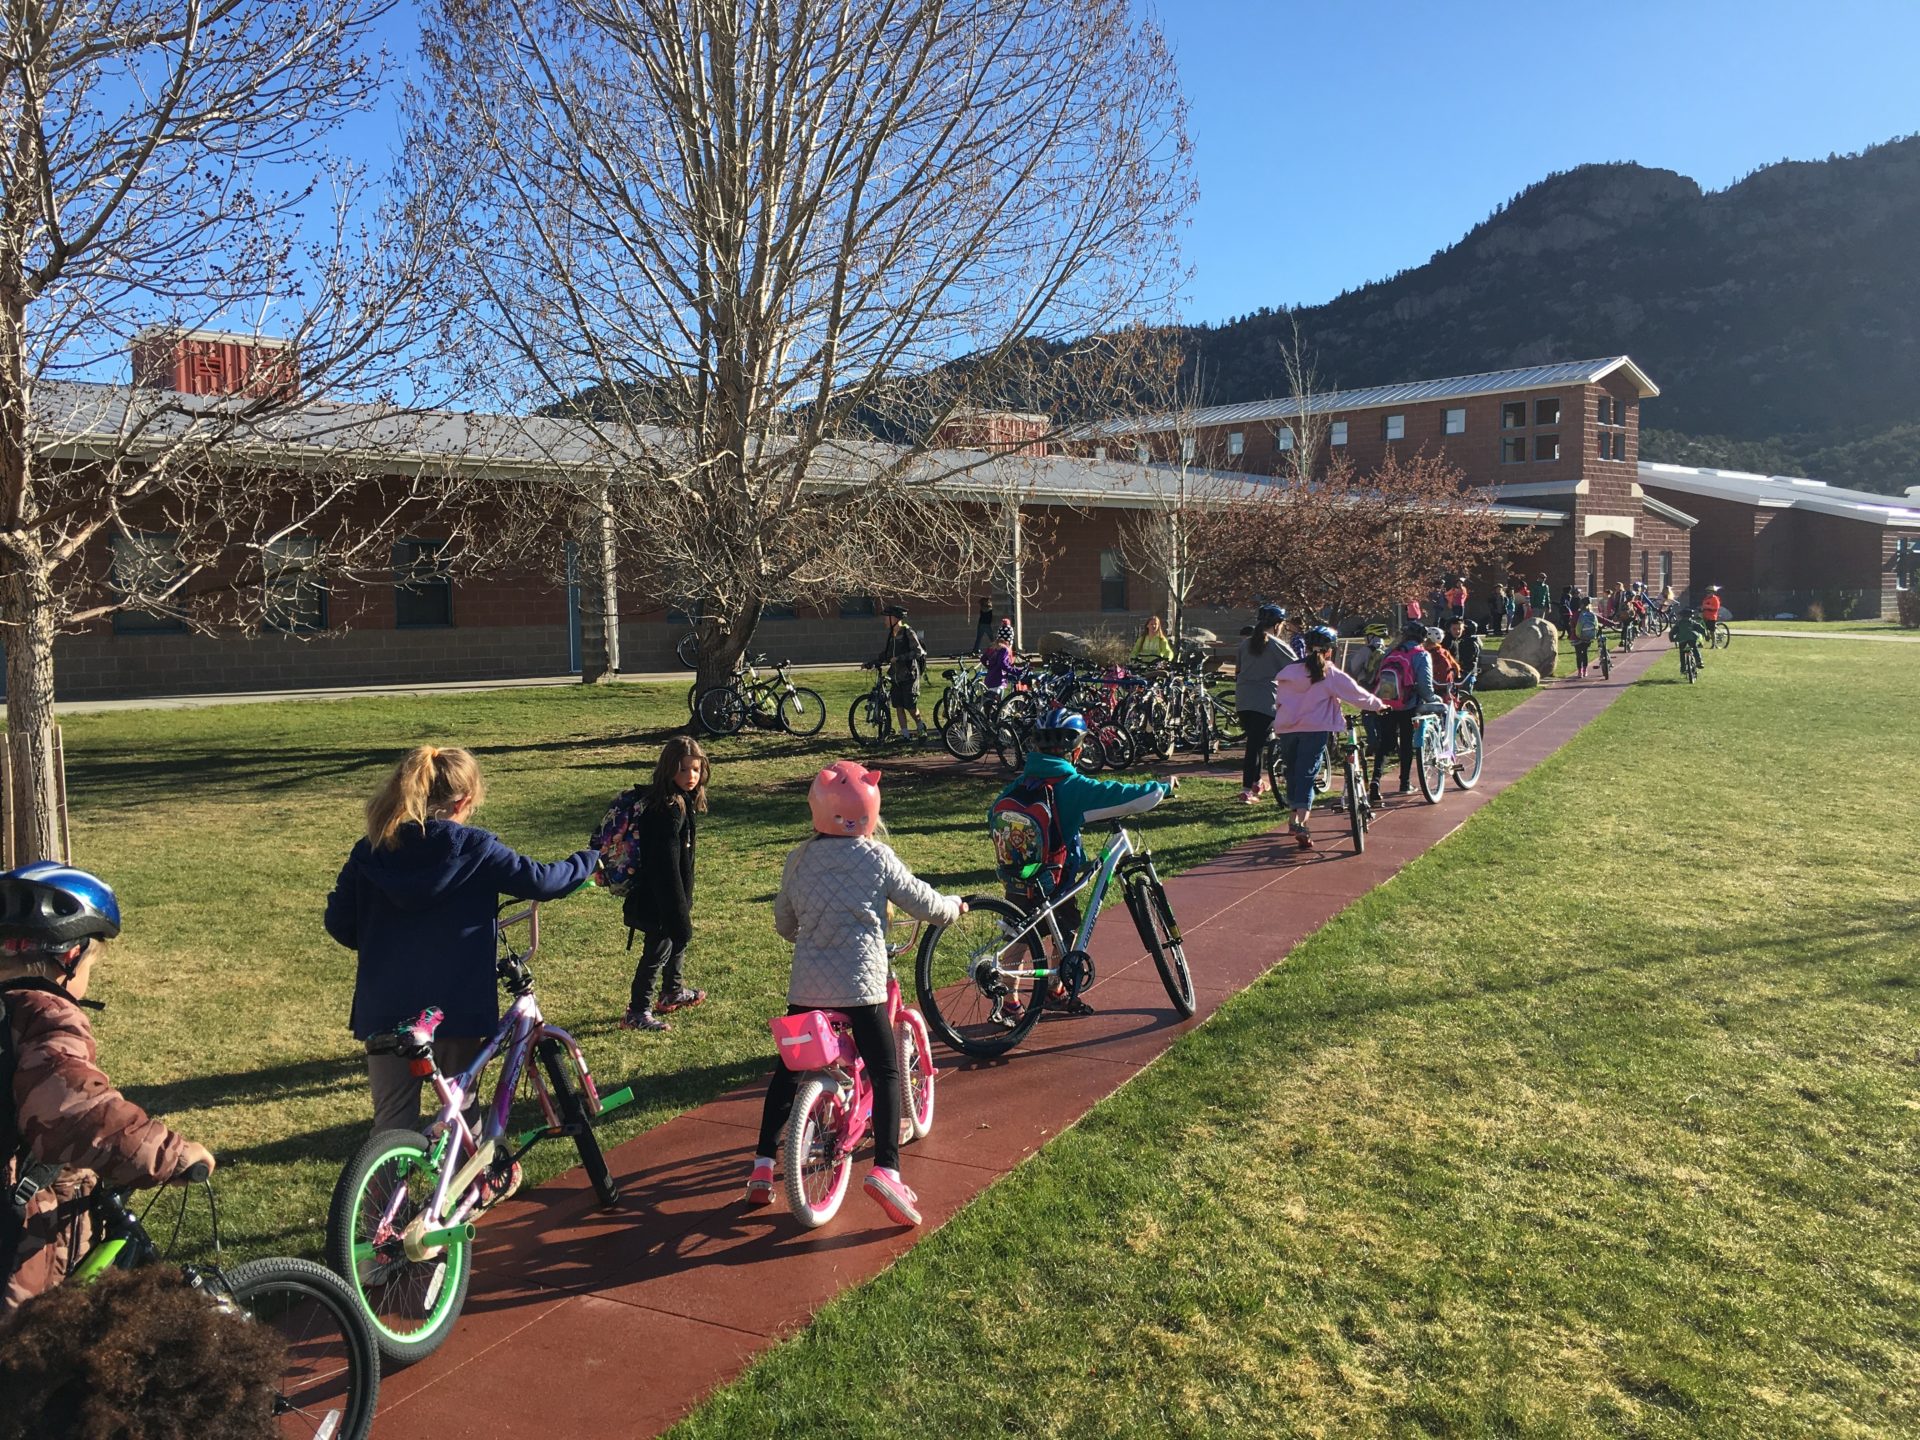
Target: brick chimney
1004 432
211 362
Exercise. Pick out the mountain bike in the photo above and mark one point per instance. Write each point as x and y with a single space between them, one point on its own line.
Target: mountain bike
1690 662
726 708
1351 745
833 1100
969 974
870 720
1606 660
401 1227
331 1382
1447 745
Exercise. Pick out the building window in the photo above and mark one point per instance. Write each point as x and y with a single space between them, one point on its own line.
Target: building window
1186 449
1283 438
1620 445
1236 443
1513 448
1396 427
293 597
1546 447
1457 422
1140 453
423 593
1099 452
1339 436
1645 561
1113 581
1546 412
145 564
1666 568
1593 571
1906 560
1513 415
854 606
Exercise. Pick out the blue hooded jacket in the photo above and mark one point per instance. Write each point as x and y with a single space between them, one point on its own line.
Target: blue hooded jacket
1076 799
421 916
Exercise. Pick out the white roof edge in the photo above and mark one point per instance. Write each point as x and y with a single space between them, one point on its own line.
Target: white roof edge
1669 512
1648 390
1781 492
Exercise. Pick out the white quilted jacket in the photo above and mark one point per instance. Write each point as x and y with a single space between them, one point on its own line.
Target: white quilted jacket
832 905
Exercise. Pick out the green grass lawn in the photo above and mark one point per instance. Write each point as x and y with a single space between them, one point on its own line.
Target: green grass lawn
223 829
1600 1119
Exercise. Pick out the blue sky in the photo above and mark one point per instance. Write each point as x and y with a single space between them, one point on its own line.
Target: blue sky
1341 140
1338 141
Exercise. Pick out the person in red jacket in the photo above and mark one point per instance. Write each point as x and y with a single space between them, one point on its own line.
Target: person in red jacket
76 1132
1710 608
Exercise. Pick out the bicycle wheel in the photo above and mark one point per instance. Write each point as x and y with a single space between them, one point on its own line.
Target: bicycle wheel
1471 706
869 721
1153 918
1009 744
1275 769
720 710
331 1382
802 711
1356 806
961 993
1469 752
412 1304
1093 755
1722 635
1606 664
916 1076
558 1066
687 652
1433 770
942 708
817 1169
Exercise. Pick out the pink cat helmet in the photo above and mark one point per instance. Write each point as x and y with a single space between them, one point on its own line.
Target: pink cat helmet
845 799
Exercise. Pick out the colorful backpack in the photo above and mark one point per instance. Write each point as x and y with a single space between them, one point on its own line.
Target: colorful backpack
618 842
1585 626
1393 681
1029 847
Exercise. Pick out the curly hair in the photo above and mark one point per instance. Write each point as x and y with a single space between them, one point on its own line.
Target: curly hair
137 1353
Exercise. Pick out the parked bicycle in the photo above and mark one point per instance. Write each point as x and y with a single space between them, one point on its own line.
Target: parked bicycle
970 975
331 1382
401 1226
771 703
870 719
833 1100
1447 746
1721 635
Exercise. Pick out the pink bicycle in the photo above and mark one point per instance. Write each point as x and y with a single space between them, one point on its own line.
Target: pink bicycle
400 1229
833 1103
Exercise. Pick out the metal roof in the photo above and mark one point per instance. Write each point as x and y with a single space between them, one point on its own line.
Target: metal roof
1458 387
1782 492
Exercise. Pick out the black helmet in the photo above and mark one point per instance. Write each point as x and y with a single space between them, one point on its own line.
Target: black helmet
55 907
1414 630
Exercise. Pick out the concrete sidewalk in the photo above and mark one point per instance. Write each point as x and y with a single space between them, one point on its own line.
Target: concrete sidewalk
621 1321
1911 639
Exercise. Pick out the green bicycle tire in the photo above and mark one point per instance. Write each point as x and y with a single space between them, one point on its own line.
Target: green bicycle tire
400 1156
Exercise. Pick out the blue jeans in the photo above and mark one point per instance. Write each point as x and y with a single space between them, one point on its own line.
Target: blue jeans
1300 752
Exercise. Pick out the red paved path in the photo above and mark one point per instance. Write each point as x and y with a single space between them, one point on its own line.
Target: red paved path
618 1322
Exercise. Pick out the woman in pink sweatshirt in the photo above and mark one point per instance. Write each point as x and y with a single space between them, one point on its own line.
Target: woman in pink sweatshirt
1308 695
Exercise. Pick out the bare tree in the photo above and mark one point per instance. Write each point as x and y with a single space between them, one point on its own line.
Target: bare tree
770 249
162 169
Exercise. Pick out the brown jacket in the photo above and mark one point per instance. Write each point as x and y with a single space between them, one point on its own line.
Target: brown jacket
70 1115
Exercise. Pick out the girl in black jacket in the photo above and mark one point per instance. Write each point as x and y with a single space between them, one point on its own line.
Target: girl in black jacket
660 903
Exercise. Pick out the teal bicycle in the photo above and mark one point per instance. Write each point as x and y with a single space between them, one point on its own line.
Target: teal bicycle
981 980
401 1227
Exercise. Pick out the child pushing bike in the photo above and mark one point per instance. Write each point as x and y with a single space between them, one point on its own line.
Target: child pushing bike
832 906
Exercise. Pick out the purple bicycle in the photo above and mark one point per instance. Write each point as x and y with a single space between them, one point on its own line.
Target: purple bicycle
401 1227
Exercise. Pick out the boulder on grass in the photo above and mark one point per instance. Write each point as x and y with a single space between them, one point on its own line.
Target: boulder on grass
1533 642
1065 642
1499 673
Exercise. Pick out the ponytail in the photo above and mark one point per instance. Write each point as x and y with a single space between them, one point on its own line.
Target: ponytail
427 784
1316 665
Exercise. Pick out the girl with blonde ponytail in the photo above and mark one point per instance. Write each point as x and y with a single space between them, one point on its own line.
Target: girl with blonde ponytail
416 900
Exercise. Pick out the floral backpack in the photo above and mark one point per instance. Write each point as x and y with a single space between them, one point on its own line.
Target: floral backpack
618 842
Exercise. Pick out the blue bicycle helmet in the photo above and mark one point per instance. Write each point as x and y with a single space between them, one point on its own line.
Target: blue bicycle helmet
55 907
1321 635
1268 616
1060 732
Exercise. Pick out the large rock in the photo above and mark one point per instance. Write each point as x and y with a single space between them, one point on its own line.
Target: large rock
1499 673
1533 642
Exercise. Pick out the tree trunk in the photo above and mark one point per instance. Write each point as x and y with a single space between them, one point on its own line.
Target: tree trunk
26 604
599 570
723 640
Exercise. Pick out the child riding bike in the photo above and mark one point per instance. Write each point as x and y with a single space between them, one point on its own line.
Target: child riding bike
68 1130
1690 630
1050 782
832 906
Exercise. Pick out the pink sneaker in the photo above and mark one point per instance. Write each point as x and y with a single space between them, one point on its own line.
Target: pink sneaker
760 1186
1249 797
893 1196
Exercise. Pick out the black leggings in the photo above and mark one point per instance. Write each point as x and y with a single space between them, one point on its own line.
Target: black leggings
660 957
873 1037
1258 726
1395 727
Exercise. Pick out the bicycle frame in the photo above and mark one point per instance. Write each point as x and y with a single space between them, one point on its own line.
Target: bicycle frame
518 1038
1118 850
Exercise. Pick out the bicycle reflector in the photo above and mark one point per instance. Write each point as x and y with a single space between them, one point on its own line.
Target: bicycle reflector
421 1065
